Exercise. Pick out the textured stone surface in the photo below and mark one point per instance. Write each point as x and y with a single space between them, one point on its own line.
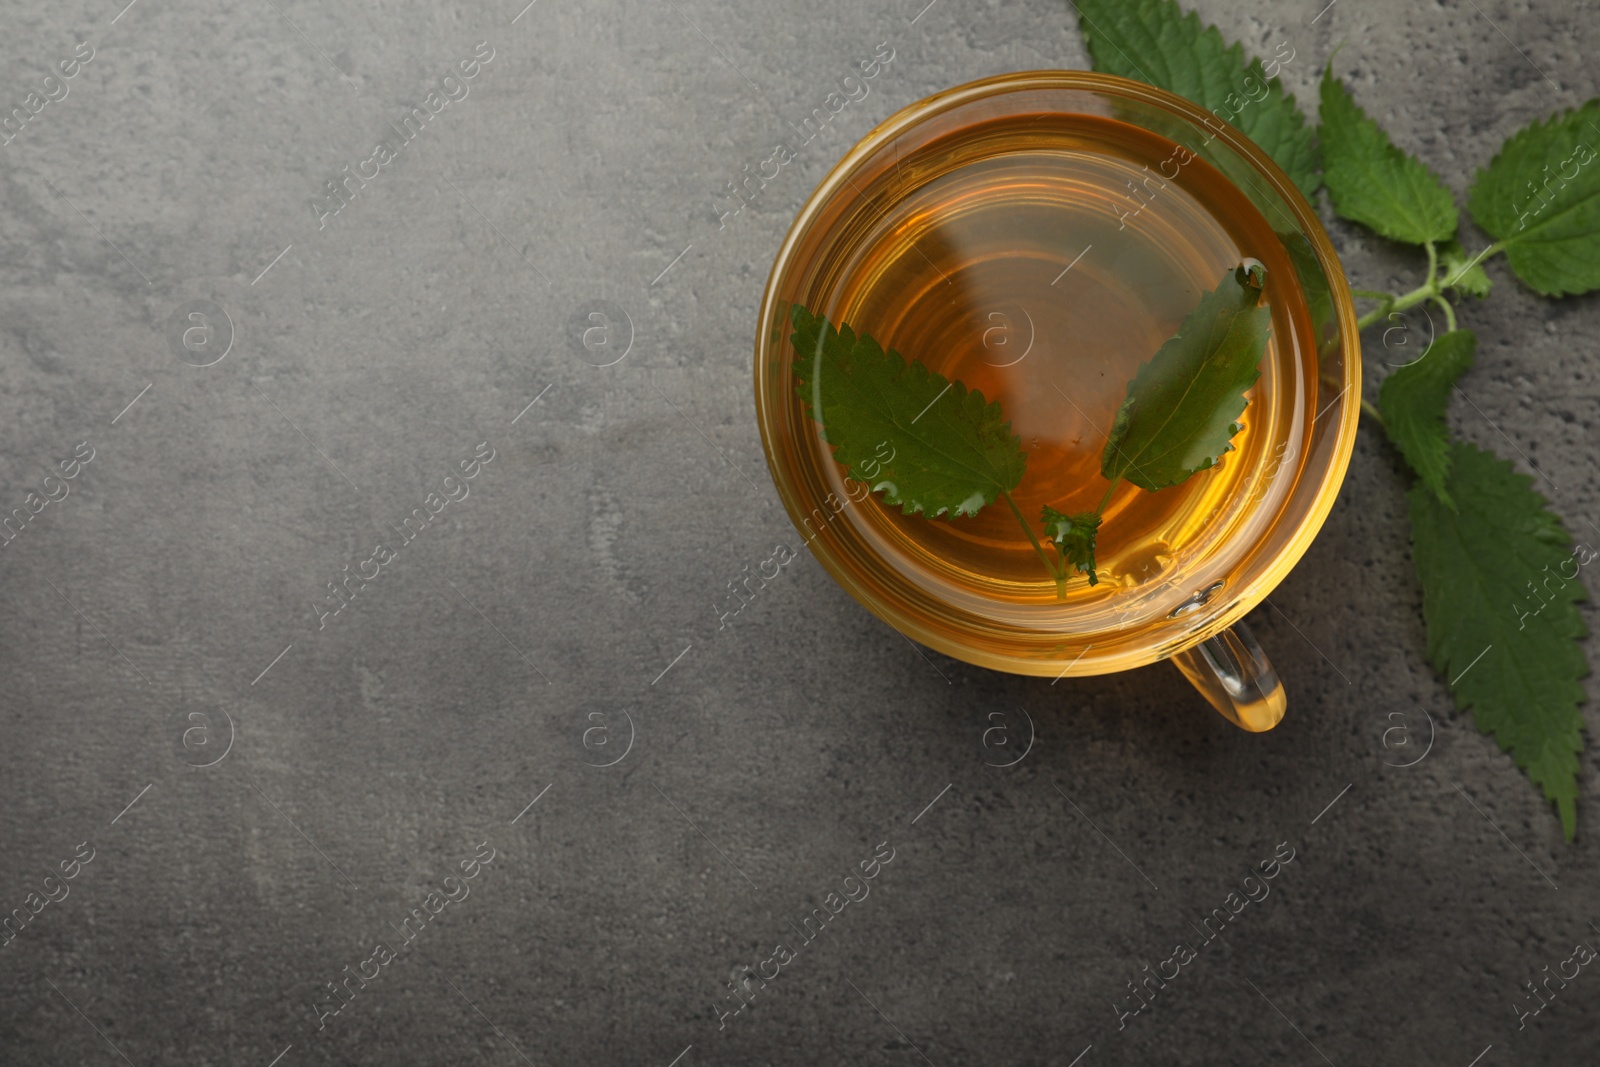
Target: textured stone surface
375 754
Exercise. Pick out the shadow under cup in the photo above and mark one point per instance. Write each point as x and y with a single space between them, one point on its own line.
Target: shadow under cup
1188 609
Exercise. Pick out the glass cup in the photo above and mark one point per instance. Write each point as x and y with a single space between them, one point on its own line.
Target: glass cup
1186 606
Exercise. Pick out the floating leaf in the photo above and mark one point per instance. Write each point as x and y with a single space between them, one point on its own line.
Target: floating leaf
1180 412
952 451
1074 537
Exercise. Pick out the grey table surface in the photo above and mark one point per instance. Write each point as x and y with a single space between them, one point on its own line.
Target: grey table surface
265 800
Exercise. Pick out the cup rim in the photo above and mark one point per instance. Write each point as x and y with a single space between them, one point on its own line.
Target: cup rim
1343 445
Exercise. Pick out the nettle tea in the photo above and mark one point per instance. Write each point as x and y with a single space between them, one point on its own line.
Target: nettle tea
1126 313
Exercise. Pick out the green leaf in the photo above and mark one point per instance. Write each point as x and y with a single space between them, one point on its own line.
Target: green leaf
952 451
1461 272
1412 400
1540 198
1074 537
1155 42
1180 411
1499 589
1374 183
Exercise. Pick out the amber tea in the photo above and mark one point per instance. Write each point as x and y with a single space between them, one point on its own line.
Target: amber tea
1041 262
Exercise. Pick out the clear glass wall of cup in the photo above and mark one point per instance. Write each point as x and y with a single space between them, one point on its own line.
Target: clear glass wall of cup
1228 551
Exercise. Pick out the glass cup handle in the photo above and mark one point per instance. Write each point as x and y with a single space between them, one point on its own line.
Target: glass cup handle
1232 672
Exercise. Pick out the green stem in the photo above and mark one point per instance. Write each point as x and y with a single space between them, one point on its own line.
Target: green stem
1432 289
1377 313
1449 312
1058 575
1367 408
1101 510
1399 303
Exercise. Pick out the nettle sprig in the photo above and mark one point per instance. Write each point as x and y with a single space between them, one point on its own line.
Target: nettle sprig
955 454
1499 571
